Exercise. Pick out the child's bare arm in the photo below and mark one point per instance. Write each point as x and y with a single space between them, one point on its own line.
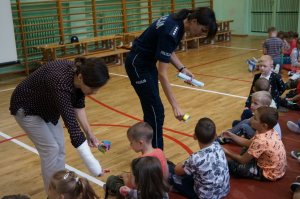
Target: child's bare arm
237 139
243 159
295 98
179 169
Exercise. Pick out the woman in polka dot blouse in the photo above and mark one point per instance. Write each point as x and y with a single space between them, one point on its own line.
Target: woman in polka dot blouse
58 89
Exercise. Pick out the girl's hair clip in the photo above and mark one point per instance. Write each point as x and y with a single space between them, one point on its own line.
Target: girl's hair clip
66 175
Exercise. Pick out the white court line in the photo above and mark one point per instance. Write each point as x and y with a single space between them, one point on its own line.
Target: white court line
175 85
9 89
209 91
232 47
192 88
33 150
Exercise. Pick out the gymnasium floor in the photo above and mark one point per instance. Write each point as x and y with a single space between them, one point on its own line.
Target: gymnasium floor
114 108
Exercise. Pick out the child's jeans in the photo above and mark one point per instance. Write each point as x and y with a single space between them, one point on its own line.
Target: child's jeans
183 185
249 170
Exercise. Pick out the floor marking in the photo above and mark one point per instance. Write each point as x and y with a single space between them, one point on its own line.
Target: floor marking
197 89
209 91
9 89
239 48
175 85
33 150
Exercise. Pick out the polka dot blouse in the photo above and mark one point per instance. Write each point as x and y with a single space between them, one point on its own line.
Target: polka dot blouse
49 92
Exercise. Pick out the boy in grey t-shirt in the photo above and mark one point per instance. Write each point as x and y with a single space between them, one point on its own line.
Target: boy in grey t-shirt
205 173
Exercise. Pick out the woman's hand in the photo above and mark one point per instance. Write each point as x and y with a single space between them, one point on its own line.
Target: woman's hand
92 140
188 73
178 113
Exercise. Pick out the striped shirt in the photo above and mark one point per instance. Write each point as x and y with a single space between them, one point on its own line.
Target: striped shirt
273 45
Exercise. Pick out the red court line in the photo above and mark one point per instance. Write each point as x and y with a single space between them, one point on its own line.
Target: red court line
6 140
113 109
135 118
217 60
186 148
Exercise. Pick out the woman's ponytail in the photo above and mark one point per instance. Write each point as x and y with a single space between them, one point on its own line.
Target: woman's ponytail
93 70
182 14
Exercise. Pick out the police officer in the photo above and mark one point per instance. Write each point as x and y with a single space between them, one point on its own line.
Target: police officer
156 46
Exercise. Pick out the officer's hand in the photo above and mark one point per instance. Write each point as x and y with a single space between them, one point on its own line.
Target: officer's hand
178 113
188 72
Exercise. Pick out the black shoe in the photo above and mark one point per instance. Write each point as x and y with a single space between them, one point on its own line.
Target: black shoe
223 140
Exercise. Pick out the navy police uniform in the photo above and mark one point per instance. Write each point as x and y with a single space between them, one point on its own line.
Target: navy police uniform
156 43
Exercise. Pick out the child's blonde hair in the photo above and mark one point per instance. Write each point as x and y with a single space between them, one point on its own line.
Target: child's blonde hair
265 59
68 184
264 97
140 131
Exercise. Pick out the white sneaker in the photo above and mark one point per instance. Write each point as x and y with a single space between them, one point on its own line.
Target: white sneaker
291 73
276 69
295 76
251 65
293 127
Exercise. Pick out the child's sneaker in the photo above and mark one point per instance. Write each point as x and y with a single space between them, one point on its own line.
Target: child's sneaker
295 154
276 69
223 140
293 127
251 64
291 73
295 186
295 76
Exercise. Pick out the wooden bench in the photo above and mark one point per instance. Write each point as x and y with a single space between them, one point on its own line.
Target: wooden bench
186 39
103 53
128 39
223 34
119 52
108 48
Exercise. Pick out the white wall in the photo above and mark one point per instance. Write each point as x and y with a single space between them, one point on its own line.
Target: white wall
8 51
237 10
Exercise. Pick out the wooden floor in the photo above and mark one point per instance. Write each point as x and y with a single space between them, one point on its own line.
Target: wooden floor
221 67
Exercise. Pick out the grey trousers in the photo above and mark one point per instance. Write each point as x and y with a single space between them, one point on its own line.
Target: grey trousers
49 142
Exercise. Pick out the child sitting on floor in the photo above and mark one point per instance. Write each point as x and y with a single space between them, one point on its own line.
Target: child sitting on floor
67 185
261 84
292 98
148 180
243 128
205 173
140 138
265 158
265 64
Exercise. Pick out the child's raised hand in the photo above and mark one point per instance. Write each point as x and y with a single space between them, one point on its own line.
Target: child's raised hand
124 190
